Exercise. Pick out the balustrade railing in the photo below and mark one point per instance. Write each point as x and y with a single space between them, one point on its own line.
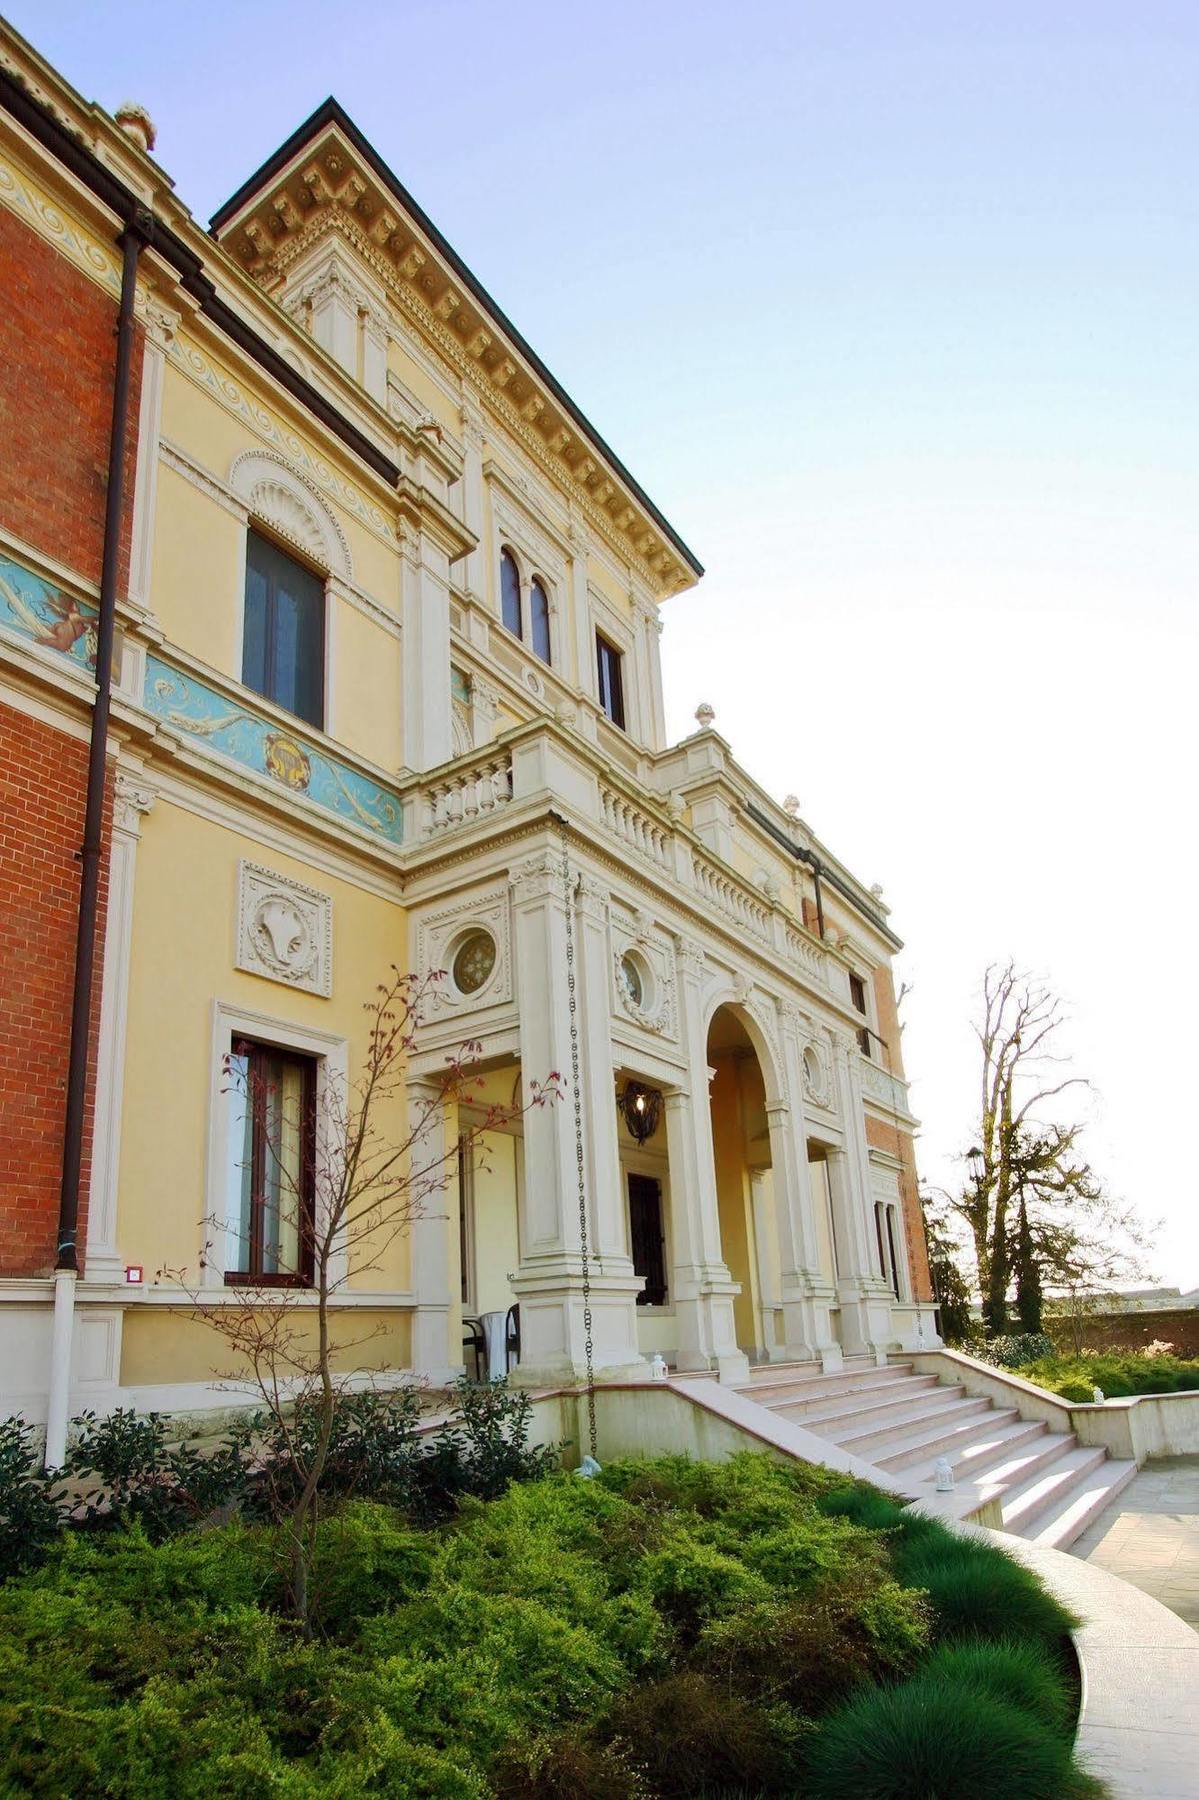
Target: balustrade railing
729 897
635 828
468 794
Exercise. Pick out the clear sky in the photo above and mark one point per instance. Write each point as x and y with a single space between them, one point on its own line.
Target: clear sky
893 309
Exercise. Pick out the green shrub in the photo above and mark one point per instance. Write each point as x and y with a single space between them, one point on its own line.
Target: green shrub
928 1740
31 1513
690 1581
365 1561
478 1671
976 1590
1020 1674
140 1475
387 1762
1119 1373
568 1766
1015 1351
809 1651
692 1736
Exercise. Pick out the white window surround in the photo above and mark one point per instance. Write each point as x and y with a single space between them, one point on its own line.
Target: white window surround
278 497
332 1059
605 621
529 571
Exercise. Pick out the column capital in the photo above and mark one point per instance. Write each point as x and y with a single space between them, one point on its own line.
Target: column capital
537 878
133 798
692 957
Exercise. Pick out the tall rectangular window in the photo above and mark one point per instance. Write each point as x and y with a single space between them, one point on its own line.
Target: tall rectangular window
272 1096
283 644
648 1242
857 993
611 686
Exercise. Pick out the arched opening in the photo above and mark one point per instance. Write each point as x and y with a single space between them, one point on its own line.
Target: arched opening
539 619
744 1179
510 593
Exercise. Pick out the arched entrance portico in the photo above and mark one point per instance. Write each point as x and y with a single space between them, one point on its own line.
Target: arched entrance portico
742 1163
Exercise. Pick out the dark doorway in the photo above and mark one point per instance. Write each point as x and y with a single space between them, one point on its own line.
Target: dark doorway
648 1240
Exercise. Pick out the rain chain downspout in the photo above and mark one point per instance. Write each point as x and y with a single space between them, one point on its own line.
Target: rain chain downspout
132 241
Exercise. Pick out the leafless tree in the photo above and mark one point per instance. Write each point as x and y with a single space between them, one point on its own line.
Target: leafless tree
339 1177
1032 1202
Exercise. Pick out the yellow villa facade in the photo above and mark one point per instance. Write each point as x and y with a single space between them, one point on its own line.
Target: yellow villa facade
388 693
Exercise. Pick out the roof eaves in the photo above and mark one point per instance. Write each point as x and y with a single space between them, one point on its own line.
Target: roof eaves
331 112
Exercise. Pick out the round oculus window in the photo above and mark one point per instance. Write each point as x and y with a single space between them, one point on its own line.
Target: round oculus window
473 962
630 975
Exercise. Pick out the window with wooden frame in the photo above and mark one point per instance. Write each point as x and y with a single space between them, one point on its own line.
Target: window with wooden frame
283 634
610 679
272 1144
857 993
647 1238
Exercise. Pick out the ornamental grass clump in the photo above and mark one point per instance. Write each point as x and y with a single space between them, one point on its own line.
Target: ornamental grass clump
930 1739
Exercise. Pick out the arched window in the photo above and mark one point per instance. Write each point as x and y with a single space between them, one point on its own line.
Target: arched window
510 592
539 609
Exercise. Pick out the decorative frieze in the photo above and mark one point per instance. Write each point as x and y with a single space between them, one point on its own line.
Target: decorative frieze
288 758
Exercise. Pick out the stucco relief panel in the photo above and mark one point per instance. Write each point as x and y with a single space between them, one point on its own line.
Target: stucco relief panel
458 935
643 979
284 930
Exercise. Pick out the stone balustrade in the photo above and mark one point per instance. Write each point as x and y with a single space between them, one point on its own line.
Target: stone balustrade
468 794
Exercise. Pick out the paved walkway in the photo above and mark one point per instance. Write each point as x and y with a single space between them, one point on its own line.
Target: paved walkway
1150 1536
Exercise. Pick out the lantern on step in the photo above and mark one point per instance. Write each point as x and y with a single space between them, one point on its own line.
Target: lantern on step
640 1108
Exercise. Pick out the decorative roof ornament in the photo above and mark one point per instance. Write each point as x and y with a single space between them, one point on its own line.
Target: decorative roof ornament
791 806
877 890
706 715
137 124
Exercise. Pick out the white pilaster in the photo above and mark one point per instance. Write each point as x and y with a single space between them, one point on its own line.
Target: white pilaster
865 1295
161 325
132 800
473 493
425 599
434 1357
549 1282
703 1287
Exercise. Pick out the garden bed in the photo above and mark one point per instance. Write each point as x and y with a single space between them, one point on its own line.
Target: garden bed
1118 1374
670 1628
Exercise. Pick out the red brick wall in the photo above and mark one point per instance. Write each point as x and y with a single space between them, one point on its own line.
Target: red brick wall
56 387
56 380
1131 1331
883 1136
42 782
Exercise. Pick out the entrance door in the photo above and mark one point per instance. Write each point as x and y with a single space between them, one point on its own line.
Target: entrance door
647 1239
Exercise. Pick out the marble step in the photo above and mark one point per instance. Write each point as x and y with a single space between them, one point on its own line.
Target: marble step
863 1403
767 1390
1058 1527
852 1401
1000 1430
1027 1501
868 1440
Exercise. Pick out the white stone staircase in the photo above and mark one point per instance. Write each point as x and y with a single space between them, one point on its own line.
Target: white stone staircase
1049 1487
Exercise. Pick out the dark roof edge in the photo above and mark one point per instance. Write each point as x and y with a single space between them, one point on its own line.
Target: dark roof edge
82 162
331 112
826 871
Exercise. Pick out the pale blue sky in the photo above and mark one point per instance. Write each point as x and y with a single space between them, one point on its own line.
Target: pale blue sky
893 309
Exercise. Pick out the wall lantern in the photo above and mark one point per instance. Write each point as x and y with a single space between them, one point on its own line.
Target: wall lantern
641 1108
